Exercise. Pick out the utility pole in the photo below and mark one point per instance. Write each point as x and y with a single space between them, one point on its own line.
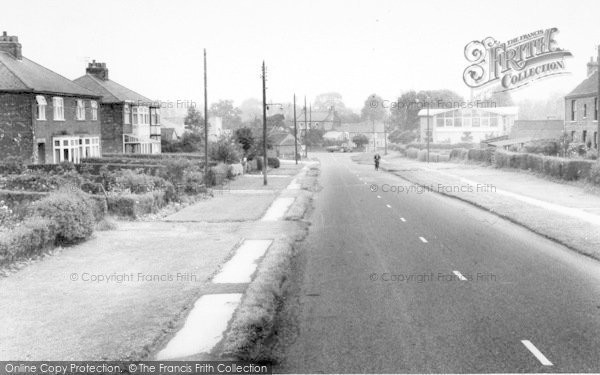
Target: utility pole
205 120
374 141
310 124
428 131
385 138
305 131
295 133
598 105
264 79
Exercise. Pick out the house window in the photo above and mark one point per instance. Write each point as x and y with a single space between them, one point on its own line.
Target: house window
476 122
573 136
573 109
66 149
485 121
155 116
458 122
90 147
59 108
596 108
584 110
494 121
80 110
127 114
467 122
41 107
143 114
584 136
134 110
94 105
439 122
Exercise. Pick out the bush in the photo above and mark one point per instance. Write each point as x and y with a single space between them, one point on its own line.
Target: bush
412 153
133 205
594 176
12 165
480 155
259 163
422 155
71 214
225 151
194 182
273 162
27 240
542 147
41 181
175 169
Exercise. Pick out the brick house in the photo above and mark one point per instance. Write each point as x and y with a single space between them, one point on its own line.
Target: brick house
325 120
283 145
44 117
130 121
581 109
373 130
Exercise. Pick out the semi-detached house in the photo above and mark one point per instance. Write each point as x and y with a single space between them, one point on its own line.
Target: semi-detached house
44 117
130 121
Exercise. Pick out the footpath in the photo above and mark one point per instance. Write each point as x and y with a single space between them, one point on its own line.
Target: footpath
134 292
563 212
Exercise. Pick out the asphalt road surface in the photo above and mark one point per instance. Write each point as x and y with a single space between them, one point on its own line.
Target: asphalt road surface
527 304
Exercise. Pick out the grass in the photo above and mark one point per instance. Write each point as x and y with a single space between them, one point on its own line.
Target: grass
254 319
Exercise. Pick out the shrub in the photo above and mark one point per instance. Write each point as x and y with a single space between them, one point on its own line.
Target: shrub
220 171
273 162
7 216
224 150
422 155
134 205
594 176
259 163
28 239
194 182
175 169
412 153
480 155
12 165
71 213
41 181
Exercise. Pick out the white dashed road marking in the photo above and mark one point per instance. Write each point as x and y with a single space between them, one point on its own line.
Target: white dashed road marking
541 357
403 220
388 206
423 239
460 276
379 196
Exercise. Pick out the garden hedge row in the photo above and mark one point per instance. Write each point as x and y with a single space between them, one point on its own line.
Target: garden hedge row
566 169
134 205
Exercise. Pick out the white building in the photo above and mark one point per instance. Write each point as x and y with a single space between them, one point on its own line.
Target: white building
451 125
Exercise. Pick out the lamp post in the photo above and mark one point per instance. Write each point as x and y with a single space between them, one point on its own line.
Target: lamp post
428 131
295 133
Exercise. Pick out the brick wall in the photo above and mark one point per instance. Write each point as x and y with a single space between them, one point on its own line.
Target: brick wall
45 131
113 128
584 120
16 137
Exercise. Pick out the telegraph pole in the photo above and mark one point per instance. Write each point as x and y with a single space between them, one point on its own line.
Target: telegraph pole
598 104
205 120
295 133
264 92
305 131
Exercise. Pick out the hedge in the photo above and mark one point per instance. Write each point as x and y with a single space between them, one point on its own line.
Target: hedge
29 239
134 205
412 153
566 169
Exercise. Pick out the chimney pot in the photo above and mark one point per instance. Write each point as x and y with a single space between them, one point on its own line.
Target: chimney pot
10 44
97 70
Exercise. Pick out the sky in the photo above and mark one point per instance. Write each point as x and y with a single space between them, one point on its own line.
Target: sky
352 47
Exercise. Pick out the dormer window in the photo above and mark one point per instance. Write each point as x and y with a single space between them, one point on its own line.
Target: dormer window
41 107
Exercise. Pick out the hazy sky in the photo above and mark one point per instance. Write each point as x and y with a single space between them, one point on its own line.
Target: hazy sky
352 47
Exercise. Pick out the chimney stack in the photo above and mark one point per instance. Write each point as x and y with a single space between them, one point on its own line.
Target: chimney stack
98 70
10 44
592 66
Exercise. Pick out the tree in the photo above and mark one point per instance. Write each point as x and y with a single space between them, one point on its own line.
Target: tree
374 109
360 140
245 138
323 102
404 113
402 136
230 115
194 121
224 150
314 137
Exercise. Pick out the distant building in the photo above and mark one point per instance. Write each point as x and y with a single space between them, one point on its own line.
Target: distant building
324 120
44 117
525 131
283 145
374 131
581 109
471 125
130 121
168 134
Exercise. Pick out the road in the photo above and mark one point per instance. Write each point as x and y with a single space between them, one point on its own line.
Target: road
527 304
